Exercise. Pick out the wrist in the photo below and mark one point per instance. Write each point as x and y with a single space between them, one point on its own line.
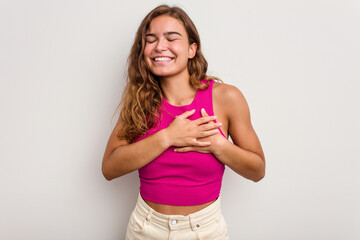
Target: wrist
220 147
164 138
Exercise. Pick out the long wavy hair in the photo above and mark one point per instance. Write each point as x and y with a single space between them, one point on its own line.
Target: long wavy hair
142 97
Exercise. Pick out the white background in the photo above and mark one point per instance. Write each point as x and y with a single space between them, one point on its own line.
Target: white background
62 73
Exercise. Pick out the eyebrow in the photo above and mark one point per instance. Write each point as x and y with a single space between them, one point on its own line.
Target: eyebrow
166 34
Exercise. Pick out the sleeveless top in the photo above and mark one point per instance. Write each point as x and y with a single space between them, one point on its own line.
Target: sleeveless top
182 179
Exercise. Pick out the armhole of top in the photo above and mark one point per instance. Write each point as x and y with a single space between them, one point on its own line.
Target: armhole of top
211 113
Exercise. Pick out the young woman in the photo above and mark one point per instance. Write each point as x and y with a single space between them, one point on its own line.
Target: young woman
173 128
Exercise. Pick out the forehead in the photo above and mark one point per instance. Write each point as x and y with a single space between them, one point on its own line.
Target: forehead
165 23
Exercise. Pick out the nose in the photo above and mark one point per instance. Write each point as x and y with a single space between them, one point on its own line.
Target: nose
161 45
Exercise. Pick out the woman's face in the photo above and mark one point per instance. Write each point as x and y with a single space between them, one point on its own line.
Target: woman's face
167 47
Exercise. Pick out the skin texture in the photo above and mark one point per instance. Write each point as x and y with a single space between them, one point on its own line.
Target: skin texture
167 37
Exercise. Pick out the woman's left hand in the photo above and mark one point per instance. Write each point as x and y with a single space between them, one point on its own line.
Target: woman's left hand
216 141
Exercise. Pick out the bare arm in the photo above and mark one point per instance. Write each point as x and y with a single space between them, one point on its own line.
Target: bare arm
245 156
122 157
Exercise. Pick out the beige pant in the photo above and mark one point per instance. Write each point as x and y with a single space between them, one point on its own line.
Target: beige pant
147 224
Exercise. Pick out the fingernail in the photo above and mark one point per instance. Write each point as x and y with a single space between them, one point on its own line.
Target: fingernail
175 150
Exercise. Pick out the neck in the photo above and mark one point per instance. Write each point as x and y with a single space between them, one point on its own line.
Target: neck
177 90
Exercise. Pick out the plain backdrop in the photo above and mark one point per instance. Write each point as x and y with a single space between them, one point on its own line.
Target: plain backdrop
62 73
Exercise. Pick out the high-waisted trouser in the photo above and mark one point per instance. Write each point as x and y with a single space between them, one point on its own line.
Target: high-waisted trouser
147 224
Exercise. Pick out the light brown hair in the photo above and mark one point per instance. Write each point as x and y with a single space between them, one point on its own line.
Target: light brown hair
142 96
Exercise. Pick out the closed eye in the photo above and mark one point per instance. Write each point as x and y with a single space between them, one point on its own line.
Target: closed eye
150 38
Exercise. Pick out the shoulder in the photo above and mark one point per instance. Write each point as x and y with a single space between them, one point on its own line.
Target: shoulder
226 94
232 102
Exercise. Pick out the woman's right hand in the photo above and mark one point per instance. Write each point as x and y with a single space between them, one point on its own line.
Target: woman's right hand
184 132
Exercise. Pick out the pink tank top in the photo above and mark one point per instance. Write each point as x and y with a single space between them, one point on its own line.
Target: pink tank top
182 179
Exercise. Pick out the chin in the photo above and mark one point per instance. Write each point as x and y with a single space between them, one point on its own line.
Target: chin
162 73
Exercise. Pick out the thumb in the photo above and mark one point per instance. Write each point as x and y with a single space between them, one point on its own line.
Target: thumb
186 114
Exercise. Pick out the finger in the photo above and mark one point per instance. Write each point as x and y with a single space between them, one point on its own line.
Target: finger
188 149
186 114
203 120
210 126
204 113
201 144
184 149
208 133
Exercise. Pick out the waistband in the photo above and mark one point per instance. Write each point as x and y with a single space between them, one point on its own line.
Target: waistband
194 221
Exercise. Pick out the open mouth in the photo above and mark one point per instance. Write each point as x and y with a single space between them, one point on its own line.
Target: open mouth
162 59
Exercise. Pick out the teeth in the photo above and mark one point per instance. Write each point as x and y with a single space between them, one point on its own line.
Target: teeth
162 59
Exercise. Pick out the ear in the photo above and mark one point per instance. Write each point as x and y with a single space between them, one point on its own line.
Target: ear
192 50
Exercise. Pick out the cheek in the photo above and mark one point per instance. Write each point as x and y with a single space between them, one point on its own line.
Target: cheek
186 51
147 55
147 51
